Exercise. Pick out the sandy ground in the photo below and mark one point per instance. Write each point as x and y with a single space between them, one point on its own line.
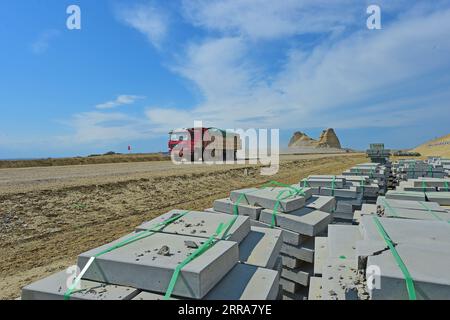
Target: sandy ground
50 215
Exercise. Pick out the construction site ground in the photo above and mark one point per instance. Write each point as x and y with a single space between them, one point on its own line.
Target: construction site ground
49 215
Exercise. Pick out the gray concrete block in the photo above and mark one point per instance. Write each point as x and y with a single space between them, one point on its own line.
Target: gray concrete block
243 282
443 198
291 262
343 193
304 251
267 198
320 254
298 275
406 230
315 288
227 206
55 286
428 266
261 247
246 282
340 280
289 286
405 195
323 182
201 224
305 221
341 242
322 203
148 265
288 236
407 204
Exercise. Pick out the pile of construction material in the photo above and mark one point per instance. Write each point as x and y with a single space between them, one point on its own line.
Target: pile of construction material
440 161
295 212
179 255
348 192
380 175
399 250
413 169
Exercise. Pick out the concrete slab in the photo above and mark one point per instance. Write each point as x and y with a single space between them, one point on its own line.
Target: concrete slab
341 281
304 251
289 286
405 195
305 221
415 205
290 237
322 203
326 182
55 286
291 262
407 230
227 206
267 198
261 247
428 266
201 224
315 288
443 198
320 254
298 275
245 282
341 242
148 264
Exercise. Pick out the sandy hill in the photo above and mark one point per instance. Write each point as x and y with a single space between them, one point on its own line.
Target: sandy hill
436 147
328 139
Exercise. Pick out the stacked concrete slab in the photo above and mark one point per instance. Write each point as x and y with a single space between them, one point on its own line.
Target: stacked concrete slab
413 169
379 175
242 264
300 218
348 193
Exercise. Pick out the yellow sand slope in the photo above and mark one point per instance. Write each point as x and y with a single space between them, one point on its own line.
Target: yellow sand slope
437 147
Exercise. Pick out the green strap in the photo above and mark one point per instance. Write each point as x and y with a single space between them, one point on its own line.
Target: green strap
387 205
198 252
278 203
305 183
138 236
408 279
429 210
333 185
424 186
446 185
430 170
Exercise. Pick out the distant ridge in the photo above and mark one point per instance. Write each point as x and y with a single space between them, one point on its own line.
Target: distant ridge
437 147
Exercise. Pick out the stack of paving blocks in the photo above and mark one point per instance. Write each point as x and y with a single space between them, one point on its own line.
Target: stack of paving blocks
380 175
413 169
352 256
348 194
300 218
242 264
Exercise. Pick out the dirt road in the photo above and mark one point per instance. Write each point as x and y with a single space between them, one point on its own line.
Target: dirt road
50 215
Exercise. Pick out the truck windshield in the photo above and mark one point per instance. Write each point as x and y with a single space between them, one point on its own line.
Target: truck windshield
179 136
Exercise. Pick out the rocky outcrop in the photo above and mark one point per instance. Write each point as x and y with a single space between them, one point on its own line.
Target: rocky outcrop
328 139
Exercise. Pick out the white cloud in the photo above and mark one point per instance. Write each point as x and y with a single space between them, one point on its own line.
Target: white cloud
119 101
334 82
101 127
42 42
148 19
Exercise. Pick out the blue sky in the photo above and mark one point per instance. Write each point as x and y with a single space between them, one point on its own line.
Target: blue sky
136 69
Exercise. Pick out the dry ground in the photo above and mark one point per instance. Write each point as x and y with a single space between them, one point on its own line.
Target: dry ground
50 215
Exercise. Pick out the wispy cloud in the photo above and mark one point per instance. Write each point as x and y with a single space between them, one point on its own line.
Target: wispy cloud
330 83
42 42
119 101
148 18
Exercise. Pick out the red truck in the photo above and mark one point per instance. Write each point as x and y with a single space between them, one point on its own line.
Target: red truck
186 140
